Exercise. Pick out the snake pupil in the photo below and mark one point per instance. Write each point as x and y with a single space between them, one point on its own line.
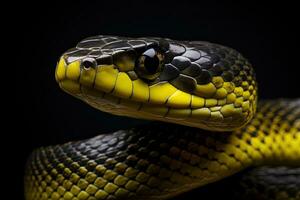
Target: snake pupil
151 61
151 64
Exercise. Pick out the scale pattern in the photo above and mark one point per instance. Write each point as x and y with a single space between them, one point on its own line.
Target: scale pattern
200 84
160 161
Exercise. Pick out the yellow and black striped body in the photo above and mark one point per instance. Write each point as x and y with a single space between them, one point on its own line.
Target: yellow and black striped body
159 161
204 96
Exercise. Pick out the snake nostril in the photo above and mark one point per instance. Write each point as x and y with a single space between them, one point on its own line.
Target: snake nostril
89 63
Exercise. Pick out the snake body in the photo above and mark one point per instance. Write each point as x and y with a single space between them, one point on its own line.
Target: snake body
204 98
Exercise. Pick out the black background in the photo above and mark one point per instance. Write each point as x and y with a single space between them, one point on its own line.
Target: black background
264 33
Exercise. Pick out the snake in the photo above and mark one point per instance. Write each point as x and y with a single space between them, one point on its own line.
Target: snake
206 124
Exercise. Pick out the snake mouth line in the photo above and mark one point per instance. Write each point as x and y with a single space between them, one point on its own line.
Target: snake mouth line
109 103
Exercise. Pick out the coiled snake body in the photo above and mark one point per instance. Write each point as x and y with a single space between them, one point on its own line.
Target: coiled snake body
204 96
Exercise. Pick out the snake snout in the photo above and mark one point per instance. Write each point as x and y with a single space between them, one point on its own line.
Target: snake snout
72 76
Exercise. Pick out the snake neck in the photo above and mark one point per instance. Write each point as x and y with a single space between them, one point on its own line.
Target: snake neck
159 161
273 136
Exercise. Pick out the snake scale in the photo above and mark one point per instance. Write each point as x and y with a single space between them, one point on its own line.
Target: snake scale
203 97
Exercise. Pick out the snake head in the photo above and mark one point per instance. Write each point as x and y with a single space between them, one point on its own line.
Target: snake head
198 84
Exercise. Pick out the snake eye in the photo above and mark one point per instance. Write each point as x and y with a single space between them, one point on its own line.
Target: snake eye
149 64
89 63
